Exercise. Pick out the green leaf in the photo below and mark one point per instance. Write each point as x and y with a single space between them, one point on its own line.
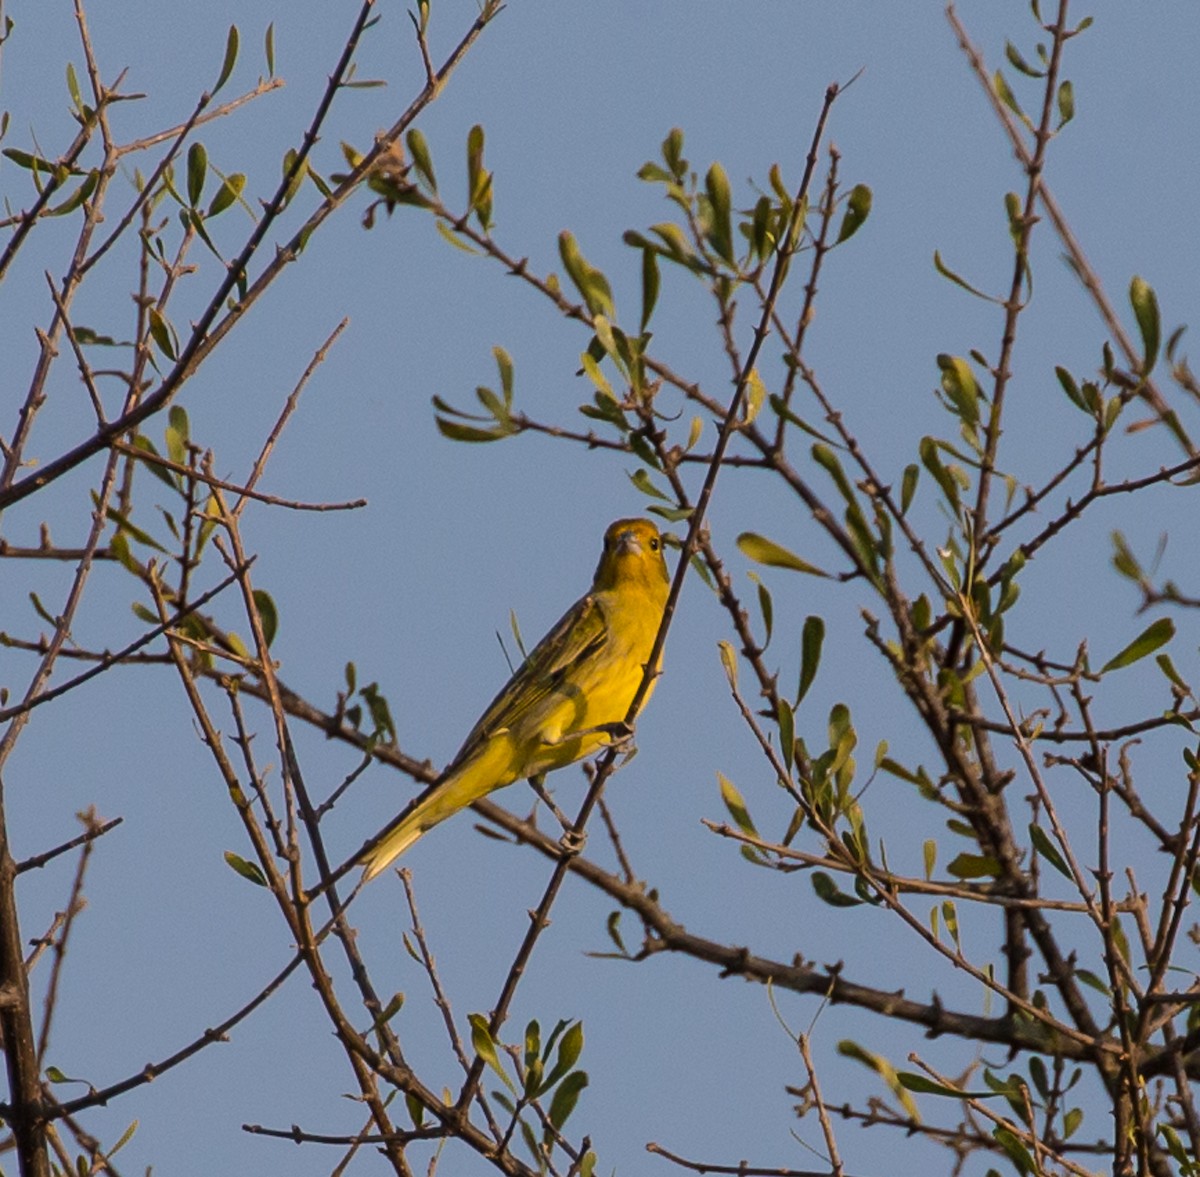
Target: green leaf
268 614
908 486
162 333
456 431
126 1137
925 1086
960 385
1168 668
269 49
478 180
77 197
1093 982
1145 309
1017 1152
1009 98
591 283
141 613
1066 104
883 1069
248 870
641 479
1154 636
650 285
974 866
485 1046
1019 63
720 228
231 52
1071 388
958 279
197 167
756 394
829 892
142 442
765 551
1048 850
504 366
736 804
811 638
858 208
569 1050
453 238
566 1097
131 530
678 248
33 163
932 461
176 435
73 88
729 662
229 193
767 608
786 719
422 160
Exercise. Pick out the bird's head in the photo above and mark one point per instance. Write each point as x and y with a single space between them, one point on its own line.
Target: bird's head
633 558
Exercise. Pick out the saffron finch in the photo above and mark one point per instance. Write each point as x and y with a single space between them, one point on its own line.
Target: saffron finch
566 700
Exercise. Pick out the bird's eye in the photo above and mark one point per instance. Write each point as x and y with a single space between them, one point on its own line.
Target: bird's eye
654 545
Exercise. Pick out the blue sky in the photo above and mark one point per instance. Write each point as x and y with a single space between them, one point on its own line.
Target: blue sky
574 98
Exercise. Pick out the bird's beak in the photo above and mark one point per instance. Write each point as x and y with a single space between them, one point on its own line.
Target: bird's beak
628 542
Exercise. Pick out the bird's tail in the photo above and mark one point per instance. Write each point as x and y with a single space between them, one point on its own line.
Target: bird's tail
488 769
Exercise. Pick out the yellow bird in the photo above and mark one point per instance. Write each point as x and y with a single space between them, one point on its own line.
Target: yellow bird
567 697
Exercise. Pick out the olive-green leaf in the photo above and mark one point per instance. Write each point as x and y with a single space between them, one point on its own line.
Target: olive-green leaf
884 1069
650 284
960 386
268 613
729 662
569 1050
485 1047
829 892
736 804
418 148
720 230
811 638
858 208
1154 636
764 551
974 866
924 1086
1066 104
458 432
160 332
197 167
1145 309
908 486
231 52
142 442
248 870
1048 850
227 194
566 1097
641 479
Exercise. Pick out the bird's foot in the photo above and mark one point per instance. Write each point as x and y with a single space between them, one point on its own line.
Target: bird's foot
620 734
538 785
573 842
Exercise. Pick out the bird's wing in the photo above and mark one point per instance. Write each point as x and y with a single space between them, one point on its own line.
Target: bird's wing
560 656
